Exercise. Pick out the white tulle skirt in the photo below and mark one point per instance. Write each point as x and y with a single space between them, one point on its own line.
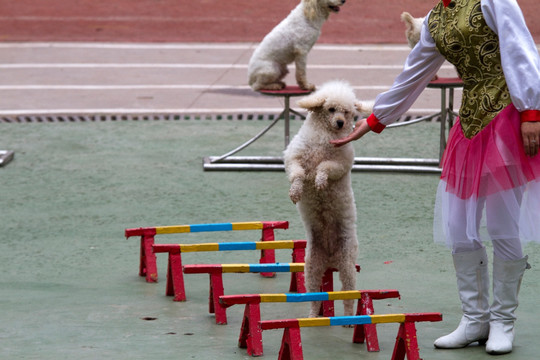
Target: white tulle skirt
489 188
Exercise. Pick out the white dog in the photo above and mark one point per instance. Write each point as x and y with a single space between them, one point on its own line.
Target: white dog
290 41
320 177
413 26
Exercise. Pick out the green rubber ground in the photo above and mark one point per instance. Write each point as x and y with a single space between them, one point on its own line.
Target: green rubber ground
69 279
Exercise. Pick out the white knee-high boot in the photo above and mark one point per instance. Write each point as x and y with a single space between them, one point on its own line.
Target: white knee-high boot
507 276
473 286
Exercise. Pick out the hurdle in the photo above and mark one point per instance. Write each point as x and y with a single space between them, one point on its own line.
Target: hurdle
216 272
147 263
175 277
251 335
406 342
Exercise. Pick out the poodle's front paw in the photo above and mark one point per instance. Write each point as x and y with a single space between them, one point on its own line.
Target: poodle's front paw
321 181
295 192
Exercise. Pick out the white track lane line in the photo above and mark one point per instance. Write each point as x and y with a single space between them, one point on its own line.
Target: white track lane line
153 111
191 46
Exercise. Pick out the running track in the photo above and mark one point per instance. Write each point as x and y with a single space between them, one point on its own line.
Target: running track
359 22
174 56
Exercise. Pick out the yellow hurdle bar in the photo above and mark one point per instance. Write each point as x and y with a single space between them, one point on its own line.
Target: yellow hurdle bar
273 298
199 247
387 318
306 322
250 225
277 244
173 229
297 267
235 268
344 295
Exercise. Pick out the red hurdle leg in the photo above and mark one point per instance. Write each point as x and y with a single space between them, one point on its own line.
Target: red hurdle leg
217 290
291 345
406 343
175 278
268 256
147 264
298 279
367 331
299 255
297 282
251 333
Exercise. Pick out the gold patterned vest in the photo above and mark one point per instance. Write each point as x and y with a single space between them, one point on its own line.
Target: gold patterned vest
465 40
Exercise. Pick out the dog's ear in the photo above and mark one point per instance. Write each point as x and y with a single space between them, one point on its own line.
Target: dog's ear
311 102
412 28
364 107
408 20
311 9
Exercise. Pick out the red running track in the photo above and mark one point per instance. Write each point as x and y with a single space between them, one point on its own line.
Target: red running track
359 21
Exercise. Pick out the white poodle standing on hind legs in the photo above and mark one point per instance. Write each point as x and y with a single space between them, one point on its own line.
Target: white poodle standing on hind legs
290 41
320 177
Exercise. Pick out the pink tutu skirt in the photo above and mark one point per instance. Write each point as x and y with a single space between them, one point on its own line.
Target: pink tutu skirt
489 173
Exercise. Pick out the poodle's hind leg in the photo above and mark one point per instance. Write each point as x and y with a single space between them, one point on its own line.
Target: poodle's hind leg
314 270
347 276
270 78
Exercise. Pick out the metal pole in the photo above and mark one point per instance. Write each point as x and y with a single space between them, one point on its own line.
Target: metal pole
286 117
247 143
451 108
443 123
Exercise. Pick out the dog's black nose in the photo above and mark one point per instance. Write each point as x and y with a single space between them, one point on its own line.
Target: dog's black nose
343 1
340 123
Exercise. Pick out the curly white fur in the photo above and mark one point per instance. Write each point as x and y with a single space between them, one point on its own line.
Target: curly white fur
290 41
320 177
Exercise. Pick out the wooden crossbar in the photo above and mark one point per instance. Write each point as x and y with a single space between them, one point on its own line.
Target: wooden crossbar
229 246
251 336
175 277
147 259
216 271
406 344
243 268
233 226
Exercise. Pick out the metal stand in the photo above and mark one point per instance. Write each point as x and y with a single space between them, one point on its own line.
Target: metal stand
5 157
227 162
447 113
286 93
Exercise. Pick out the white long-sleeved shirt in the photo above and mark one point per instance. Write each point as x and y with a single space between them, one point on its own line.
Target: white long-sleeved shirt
519 57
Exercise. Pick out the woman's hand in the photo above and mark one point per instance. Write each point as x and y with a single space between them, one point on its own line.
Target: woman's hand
530 133
360 130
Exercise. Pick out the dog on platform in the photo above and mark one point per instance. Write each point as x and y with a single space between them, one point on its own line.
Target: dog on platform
290 41
413 27
320 186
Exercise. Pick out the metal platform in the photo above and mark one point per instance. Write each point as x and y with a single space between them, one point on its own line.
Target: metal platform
275 163
228 162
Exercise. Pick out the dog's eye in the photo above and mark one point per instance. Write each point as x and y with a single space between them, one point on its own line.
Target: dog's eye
332 110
